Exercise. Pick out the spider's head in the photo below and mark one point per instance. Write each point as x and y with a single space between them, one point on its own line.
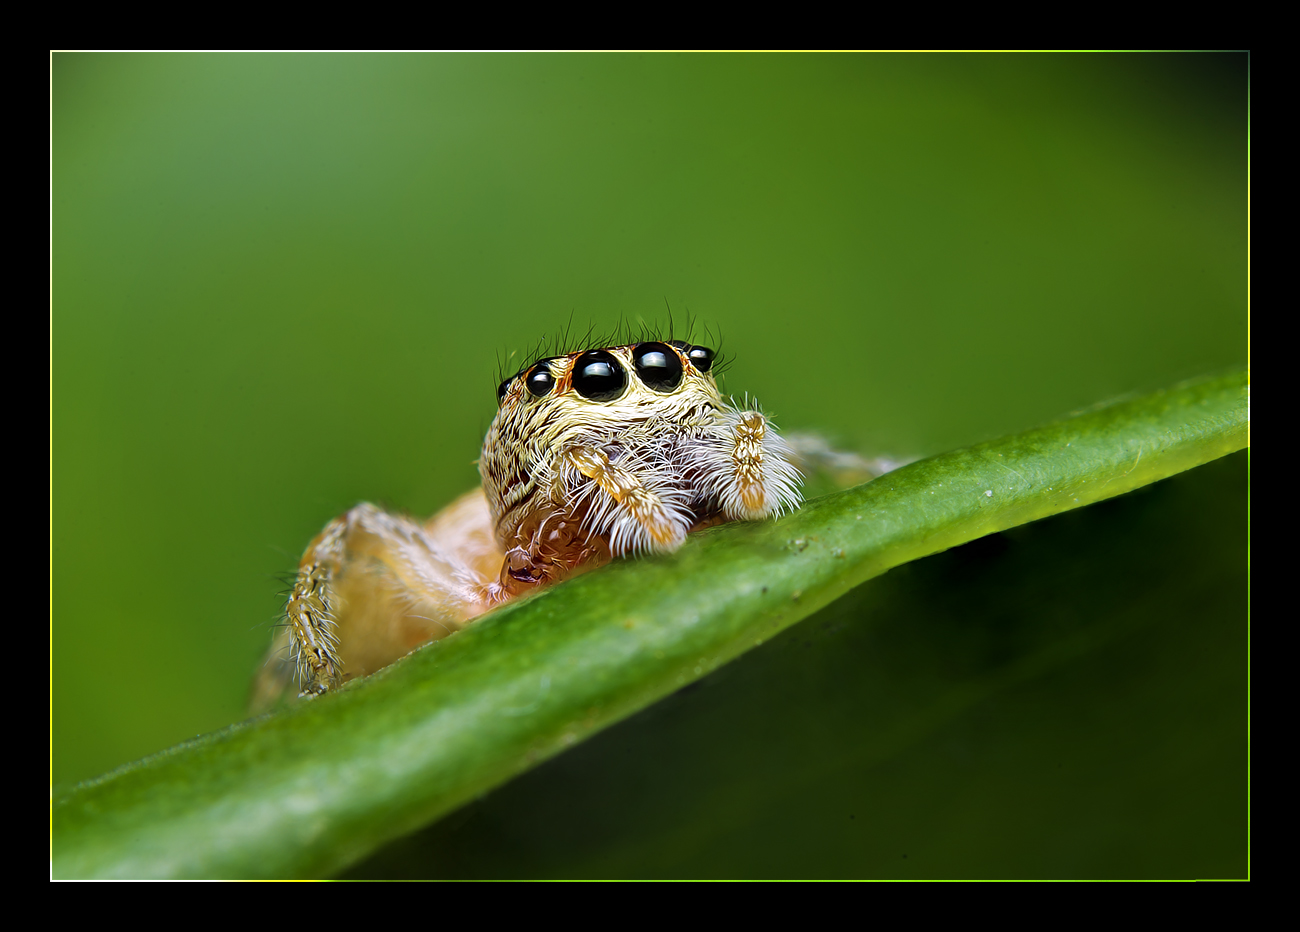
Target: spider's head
640 376
599 396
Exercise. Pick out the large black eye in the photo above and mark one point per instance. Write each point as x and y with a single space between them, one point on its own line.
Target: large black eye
598 376
701 357
539 379
658 366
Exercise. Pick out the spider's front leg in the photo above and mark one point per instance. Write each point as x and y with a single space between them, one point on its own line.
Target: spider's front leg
309 619
372 587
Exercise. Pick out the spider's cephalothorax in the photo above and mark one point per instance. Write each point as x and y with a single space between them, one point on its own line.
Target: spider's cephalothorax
612 451
591 455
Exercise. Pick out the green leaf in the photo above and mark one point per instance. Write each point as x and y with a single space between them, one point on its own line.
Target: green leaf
310 790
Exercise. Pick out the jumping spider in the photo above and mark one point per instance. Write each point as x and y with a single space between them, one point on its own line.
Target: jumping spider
592 455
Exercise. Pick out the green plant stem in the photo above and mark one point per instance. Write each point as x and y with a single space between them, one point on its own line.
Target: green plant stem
308 791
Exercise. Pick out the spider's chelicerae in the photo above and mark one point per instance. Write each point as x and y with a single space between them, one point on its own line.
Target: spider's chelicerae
591 456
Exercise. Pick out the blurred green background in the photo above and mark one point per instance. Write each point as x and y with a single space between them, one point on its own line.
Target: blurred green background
282 284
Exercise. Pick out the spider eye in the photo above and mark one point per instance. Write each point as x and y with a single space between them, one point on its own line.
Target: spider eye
701 357
503 388
658 366
597 376
539 379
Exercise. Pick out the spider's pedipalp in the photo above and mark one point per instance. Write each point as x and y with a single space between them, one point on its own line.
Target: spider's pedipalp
746 467
634 503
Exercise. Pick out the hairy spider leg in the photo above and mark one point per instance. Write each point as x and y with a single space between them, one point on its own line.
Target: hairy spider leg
373 586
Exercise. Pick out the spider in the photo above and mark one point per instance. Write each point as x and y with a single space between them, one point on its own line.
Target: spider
591 456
